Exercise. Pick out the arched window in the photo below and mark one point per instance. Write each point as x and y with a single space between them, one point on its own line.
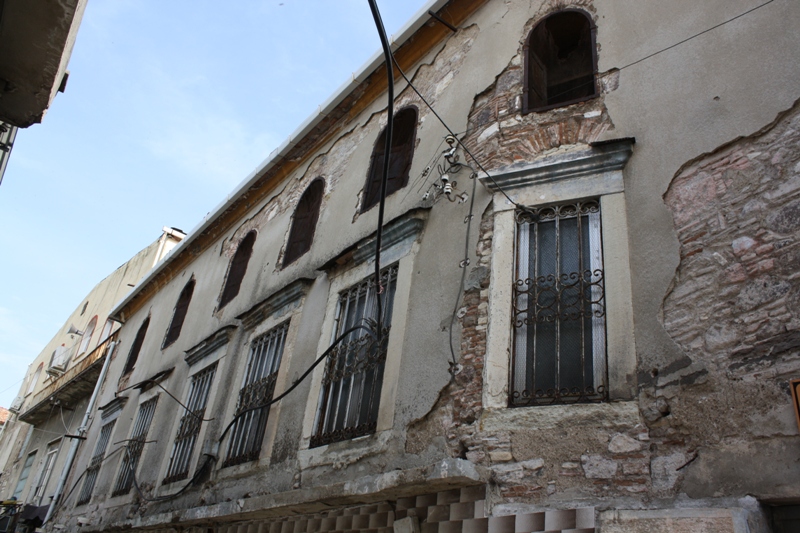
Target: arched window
35 378
179 315
87 335
136 347
402 150
304 222
560 61
237 269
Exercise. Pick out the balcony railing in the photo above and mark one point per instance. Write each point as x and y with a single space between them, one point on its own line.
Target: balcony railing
75 383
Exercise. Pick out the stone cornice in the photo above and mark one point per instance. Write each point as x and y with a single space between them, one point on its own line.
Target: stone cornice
598 158
208 345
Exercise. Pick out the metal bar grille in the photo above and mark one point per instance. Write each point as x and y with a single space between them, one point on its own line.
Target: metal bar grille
351 385
559 306
189 426
130 459
94 463
257 390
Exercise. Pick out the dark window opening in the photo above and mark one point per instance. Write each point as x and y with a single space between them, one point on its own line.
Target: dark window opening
134 448
133 355
237 269
252 409
560 62
402 150
189 427
559 307
304 222
179 315
353 378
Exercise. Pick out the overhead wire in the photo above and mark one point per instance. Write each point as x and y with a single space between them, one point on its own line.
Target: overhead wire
390 59
670 47
387 52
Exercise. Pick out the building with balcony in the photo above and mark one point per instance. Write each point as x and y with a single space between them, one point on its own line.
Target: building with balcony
583 313
48 413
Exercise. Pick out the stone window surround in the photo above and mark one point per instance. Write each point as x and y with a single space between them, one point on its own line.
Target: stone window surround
569 174
400 245
214 352
125 432
286 304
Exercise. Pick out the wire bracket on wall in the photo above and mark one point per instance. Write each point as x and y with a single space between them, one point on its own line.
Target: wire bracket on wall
446 186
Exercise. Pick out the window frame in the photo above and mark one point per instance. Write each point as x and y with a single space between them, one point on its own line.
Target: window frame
136 346
526 52
232 285
123 482
96 462
295 239
179 313
548 294
593 172
191 422
375 171
249 452
403 250
26 471
86 339
326 406
34 379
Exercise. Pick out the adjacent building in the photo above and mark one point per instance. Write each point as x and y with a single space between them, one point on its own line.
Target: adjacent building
583 316
48 415
36 40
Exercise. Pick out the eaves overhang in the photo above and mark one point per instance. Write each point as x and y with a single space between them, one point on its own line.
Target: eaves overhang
410 44
36 41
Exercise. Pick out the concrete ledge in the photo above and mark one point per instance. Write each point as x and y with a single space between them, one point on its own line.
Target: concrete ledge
701 520
444 475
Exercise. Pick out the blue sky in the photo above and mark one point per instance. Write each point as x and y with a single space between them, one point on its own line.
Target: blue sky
169 106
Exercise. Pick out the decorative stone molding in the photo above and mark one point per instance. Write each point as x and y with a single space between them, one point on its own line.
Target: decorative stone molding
276 302
114 406
208 345
600 157
403 229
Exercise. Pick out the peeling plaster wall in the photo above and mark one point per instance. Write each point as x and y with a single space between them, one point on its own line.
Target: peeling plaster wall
676 445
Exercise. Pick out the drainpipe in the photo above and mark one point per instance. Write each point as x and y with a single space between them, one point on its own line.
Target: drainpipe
73 450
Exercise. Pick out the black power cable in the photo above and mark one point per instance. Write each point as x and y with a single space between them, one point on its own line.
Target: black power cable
387 53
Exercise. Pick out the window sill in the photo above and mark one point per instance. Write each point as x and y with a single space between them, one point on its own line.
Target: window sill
607 414
347 451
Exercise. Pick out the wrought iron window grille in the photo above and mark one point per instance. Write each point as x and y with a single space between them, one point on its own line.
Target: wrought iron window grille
95 462
189 426
559 307
351 384
247 433
135 445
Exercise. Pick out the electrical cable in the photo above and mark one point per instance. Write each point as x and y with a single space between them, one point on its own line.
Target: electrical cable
63 500
387 52
285 393
463 146
300 379
463 265
157 384
606 73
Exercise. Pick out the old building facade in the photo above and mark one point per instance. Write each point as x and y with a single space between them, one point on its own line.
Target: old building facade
47 417
613 349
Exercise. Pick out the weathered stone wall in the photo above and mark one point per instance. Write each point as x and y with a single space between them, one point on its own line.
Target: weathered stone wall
734 309
500 134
